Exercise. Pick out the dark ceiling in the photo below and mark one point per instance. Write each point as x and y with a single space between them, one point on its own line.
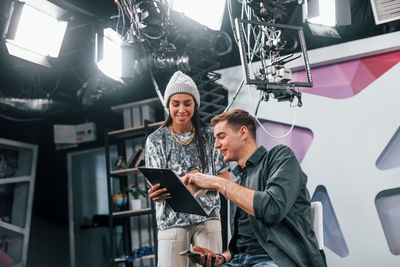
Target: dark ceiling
75 66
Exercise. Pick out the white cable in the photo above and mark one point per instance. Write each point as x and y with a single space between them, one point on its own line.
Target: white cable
286 134
170 4
265 130
229 5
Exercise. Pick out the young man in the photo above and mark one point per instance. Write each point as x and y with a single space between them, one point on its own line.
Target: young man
271 221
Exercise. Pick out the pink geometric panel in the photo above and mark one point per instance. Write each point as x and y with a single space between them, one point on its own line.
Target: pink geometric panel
347 79
350 68
378 65
362 78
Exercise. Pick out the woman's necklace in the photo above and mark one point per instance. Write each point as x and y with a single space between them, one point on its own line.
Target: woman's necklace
177 138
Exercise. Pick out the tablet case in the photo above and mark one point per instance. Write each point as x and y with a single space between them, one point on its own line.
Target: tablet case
181 199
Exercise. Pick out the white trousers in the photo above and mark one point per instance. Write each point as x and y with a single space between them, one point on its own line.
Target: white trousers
174 240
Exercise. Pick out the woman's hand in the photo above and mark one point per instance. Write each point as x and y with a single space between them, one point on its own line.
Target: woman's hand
158 193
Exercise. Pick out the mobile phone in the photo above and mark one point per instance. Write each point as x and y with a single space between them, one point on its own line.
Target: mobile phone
194 254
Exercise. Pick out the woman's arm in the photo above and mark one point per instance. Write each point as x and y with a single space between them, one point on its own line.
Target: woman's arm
154 158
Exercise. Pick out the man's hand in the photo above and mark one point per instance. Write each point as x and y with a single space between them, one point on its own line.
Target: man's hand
240 195
201 180
192 188
206 257
158 193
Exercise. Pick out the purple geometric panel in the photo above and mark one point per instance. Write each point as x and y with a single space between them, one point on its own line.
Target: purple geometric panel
387 204
333 235
390 156
299 140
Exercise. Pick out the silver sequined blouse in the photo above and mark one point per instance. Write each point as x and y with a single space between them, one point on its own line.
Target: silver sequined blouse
163 151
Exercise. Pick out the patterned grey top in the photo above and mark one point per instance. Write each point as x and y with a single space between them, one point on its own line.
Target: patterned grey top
163 151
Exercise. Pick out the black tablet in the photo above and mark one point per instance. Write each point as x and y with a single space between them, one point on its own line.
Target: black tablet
181 199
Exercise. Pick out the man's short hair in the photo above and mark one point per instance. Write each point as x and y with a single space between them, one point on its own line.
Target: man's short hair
237 118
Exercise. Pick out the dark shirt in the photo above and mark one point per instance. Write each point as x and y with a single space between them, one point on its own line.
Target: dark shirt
282 209
246 240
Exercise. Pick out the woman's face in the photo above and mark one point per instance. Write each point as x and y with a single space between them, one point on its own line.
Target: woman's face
181 108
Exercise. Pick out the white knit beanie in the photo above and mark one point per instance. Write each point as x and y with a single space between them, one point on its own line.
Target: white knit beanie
181 83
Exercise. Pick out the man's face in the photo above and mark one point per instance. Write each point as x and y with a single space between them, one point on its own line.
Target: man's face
228 140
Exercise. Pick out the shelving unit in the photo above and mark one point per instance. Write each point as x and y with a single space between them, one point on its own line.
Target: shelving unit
128 227
118 137
17 182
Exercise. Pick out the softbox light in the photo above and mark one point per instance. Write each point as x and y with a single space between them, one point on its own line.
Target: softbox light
207 12
323 15
115 57
35 31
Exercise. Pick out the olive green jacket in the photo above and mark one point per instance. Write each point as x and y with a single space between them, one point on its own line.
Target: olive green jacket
282 221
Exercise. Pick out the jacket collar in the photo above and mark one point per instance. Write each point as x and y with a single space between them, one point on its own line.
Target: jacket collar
251 161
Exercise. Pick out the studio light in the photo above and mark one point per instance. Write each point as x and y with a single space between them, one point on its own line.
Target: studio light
322 12
323 15
114 56
34 31
207 12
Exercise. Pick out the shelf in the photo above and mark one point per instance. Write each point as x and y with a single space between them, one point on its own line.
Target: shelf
17 185
12 227
15 180
129 213
121 260
124 172
10 230
134 132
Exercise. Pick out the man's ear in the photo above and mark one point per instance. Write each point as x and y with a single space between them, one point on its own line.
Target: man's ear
244 132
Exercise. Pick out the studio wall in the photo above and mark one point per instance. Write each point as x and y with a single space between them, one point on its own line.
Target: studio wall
353 114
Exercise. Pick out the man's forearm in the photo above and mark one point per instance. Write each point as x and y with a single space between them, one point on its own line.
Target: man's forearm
240 195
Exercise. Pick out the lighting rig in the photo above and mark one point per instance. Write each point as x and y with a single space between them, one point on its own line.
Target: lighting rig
150 27
151 35
266 46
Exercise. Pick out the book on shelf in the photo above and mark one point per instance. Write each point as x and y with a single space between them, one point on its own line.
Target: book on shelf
137 159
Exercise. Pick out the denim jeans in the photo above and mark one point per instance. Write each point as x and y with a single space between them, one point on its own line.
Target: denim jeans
247 260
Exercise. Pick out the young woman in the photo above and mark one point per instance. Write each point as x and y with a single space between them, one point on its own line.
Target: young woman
184 144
